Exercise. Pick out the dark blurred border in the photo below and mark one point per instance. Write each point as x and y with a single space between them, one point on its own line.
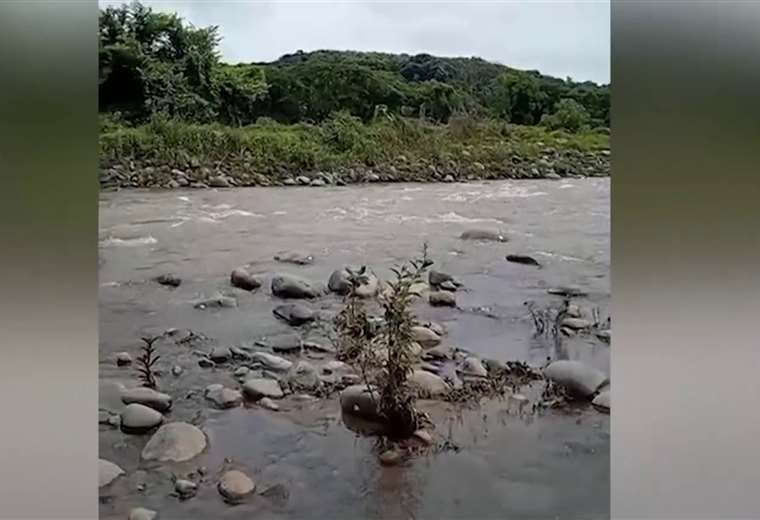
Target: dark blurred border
686 256
48 259
686 289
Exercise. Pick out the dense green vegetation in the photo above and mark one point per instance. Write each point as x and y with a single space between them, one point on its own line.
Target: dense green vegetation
167 98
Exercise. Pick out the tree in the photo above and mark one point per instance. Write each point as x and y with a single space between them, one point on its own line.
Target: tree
569 115
517 97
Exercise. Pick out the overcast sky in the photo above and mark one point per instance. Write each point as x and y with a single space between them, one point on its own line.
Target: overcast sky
561 38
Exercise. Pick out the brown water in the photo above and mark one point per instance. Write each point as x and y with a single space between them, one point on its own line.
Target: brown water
555 465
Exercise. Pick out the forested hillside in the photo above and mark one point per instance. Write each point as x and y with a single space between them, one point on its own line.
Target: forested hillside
163 89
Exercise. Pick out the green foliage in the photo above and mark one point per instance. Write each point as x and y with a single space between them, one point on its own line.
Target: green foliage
154 63
145 361
569 115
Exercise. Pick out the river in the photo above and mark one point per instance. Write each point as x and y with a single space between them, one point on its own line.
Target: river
555 465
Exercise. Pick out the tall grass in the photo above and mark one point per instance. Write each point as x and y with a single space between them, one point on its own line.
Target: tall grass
340 141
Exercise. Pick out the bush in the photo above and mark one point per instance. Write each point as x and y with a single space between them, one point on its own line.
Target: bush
568 115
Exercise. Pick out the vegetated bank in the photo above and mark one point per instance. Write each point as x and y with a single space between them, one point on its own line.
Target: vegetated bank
168 102
342 150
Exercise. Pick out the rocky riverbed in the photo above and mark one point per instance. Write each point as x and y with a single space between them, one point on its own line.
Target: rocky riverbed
240 286
551 164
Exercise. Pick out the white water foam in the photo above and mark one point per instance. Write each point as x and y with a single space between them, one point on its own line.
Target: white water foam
128 242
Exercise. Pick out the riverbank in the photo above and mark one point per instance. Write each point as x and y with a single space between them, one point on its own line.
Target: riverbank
340 151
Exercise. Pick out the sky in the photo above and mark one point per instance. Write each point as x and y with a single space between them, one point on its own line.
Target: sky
561 38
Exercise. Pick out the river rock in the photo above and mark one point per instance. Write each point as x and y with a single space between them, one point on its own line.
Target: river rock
218 301
107 472
437 278
574 311
339 282
425 337
224 397
415 350
141 513
267 403
482 235
357 400
294 258
448 178
319 347
576 323
289 286
177 370
220 354
442 299
337 367
169 280
286 344
138 418
257 388
242 279
271 361
429 367
568 292
427 384
295 313
241 372
604 335
448 286
175 442
185 488
219 181
390 457
523 259
579 379
552 176
289 181
424 436
438 353
147 397
123 359
317 183
472 366
418 289
206 363
303 180
303 376
235 485
602 401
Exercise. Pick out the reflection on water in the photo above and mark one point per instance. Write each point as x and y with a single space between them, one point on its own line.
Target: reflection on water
498 461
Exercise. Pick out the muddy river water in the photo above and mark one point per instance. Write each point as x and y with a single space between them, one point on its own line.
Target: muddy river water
508 465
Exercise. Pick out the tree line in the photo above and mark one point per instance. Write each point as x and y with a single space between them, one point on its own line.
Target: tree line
156 63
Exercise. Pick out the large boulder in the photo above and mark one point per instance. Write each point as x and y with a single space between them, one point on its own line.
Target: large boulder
295 313
483 235
427 384
138 418
242 279
255 389
175 442
289 286
107 472
359 401
147 397
579 379
339 282
220 354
